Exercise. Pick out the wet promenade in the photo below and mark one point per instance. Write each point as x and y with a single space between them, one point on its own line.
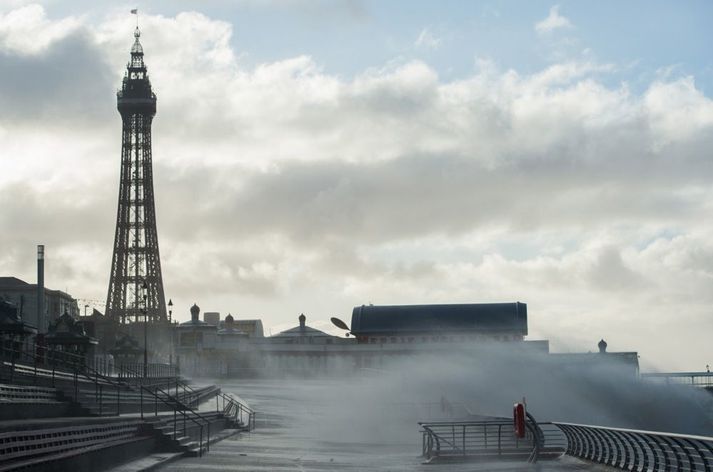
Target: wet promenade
322 426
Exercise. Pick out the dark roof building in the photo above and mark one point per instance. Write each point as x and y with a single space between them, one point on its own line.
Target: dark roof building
501 321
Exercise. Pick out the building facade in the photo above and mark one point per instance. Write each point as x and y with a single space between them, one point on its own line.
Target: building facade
24 296
378 336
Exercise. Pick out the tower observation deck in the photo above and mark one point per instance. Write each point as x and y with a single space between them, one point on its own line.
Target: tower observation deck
135 284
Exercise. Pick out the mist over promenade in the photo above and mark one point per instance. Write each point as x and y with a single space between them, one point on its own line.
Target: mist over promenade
322 425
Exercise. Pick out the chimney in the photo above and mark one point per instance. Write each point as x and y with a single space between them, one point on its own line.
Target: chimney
41 288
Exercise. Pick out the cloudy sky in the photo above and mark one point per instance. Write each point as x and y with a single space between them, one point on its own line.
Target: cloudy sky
311 156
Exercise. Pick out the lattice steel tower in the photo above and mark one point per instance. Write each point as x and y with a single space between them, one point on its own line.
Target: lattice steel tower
135 284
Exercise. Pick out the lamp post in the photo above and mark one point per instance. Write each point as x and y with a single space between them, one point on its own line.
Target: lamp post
170 327
146 325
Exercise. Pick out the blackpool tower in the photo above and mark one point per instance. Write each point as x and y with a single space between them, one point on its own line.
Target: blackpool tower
135 284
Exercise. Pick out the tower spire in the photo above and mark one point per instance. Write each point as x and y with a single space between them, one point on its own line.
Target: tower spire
135 284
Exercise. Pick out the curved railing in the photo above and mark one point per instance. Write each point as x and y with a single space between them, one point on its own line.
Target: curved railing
629 449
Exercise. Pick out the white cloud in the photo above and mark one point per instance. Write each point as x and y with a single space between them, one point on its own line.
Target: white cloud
553 22
427 40
27 30
675 102
284 188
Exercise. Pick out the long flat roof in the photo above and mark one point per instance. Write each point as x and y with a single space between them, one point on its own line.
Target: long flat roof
470 317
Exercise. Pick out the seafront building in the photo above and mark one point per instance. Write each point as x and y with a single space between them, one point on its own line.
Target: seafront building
24 296
378 335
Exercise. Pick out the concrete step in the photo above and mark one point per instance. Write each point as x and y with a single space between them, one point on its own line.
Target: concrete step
148 463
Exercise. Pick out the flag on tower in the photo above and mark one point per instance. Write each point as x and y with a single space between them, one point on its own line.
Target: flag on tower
135 11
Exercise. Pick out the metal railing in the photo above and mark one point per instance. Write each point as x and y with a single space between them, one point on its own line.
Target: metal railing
138 369
236 411
45 356
186 413
629 449
696 379
70 367
38 361
186 410
490 439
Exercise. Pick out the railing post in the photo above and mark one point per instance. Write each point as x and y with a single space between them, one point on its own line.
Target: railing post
155 398
100 399
118 399
200 444
141 396
500 448
486 436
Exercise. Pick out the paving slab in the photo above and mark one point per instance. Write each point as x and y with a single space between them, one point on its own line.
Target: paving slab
147 463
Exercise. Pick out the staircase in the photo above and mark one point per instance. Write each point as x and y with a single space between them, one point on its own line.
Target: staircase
180 434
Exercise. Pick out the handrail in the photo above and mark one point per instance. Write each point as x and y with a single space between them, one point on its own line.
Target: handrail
149 370
233 404
183 409
76 367
629 449
94 376
235 410
493 438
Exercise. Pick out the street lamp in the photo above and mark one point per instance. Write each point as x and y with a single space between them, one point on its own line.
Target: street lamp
146 324
170 328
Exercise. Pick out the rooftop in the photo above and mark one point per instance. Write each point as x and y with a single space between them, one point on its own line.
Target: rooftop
481 317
